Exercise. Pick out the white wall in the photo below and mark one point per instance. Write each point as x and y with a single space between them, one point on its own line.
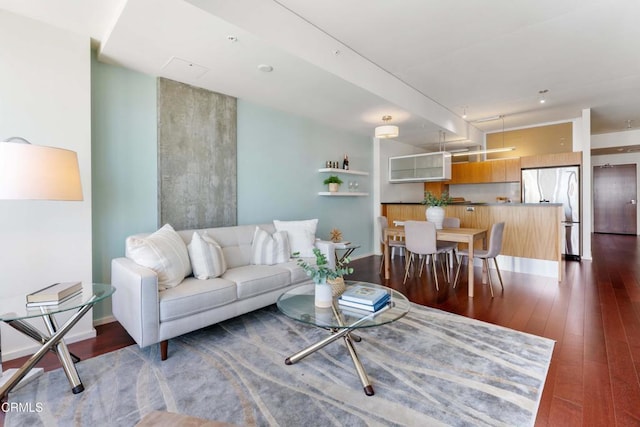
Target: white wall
616 139
45 98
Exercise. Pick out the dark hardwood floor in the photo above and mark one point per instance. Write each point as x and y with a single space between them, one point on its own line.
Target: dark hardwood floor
593 315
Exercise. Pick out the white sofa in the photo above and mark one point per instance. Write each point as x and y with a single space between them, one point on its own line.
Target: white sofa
152 315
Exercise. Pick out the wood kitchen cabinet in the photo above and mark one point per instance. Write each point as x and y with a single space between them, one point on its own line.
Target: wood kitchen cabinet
500 170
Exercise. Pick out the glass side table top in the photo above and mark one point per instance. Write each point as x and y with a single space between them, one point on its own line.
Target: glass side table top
298 304
14 308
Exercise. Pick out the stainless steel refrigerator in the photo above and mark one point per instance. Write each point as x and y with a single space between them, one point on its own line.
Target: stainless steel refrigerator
557 185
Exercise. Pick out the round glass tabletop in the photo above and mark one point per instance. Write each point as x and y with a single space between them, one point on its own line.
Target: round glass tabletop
298 304
16 308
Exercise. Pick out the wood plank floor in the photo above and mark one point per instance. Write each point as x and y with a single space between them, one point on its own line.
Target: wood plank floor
593 315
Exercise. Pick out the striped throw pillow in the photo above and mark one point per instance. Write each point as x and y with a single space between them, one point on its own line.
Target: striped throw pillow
269 249
207 259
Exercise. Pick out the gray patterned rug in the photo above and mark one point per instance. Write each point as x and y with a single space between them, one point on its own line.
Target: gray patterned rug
429 368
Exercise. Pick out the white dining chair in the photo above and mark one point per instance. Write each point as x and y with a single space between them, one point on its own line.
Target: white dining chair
449 248
420 239
495 246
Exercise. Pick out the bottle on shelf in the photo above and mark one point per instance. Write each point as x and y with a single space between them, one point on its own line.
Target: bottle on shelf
345 162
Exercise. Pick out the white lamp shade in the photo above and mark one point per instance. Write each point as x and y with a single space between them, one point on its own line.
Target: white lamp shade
33 172
387 131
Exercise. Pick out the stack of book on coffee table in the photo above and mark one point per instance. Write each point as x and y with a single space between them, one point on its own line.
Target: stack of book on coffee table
54 294
362 297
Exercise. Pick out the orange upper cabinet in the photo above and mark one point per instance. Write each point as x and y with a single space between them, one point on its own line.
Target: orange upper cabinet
500 170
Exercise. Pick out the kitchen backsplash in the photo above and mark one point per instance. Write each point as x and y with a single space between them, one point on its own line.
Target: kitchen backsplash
486 193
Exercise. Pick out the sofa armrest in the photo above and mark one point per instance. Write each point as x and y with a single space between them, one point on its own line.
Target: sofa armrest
136 303
329 250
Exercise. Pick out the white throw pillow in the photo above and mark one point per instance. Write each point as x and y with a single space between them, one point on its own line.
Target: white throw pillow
164 252
207 259
302 235
270 249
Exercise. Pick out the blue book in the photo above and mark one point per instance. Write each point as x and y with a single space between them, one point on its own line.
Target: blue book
366 307
363 294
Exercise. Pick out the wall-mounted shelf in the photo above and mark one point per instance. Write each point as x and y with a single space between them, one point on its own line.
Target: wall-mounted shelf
341 193
345 171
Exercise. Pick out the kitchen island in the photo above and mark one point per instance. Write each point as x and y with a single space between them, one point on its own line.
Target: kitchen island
533 234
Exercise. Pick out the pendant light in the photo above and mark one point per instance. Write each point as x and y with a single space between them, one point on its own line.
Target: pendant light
387 131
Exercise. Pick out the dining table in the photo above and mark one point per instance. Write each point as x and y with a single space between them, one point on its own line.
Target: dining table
460 235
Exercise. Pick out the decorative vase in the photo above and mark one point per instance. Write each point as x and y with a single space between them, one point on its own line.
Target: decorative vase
435 214
324 295
333 187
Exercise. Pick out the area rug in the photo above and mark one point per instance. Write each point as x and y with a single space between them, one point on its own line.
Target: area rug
428 368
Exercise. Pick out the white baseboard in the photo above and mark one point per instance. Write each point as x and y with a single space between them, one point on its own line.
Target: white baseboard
104 320
536 267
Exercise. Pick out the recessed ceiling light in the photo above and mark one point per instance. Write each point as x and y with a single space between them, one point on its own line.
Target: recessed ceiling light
265 68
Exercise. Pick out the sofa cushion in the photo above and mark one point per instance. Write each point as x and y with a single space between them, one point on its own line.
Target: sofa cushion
164 252
194 296
302 235
257 279
269 249
207 260
297 273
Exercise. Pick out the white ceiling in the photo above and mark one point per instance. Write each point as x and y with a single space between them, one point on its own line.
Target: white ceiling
348 63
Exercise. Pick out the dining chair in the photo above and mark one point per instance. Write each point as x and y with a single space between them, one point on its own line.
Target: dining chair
449 248
393 244
495 246
420 239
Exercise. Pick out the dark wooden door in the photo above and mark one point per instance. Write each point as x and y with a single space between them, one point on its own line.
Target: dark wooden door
614 199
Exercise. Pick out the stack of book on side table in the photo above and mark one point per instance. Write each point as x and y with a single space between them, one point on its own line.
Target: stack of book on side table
54 294
362 297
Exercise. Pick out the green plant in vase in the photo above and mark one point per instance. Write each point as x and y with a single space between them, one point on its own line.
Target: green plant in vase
322 275
333 182
435 212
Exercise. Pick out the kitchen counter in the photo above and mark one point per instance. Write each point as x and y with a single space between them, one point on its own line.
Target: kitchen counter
532 230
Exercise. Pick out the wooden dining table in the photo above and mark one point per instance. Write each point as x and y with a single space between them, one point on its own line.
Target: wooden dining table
460 235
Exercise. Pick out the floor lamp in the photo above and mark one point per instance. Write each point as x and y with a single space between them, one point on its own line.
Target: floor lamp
33 172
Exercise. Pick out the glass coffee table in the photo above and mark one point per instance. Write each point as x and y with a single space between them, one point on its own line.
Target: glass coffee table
91 294
298 304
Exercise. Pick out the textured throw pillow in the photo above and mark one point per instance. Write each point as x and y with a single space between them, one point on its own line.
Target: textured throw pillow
269 249
207 259
164 252
302 235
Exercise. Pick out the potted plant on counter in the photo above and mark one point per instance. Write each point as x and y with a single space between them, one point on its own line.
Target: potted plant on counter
435 207
334 183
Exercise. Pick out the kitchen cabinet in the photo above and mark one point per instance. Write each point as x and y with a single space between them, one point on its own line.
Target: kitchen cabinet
420 167
500 170
551 160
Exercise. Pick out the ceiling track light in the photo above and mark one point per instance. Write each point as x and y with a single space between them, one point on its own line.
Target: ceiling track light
541 96
387 131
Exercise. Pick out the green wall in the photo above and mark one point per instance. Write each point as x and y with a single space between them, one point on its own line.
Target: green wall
279 155
123 163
